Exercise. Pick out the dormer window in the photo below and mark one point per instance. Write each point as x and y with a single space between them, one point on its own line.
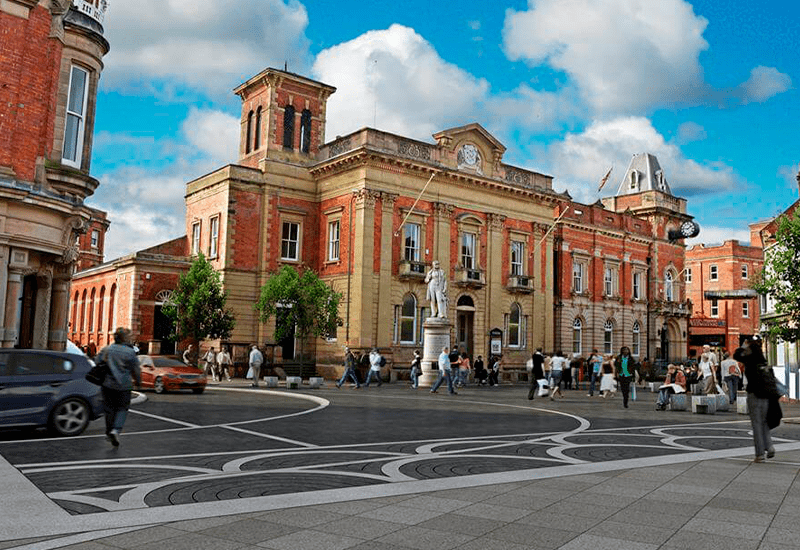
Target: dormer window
634 181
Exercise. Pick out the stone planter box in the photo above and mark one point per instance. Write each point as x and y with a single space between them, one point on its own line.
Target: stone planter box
678 402
271 381
293 382
704 404
316 382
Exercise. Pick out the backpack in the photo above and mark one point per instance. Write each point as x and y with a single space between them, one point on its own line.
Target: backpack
383 361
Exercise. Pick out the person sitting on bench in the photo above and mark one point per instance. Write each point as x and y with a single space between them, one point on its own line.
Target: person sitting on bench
674 383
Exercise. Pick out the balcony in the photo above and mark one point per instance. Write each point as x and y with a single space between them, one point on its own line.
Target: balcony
412 271
470 278
520 283
96 9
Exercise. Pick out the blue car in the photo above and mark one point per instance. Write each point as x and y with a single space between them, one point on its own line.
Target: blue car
47 388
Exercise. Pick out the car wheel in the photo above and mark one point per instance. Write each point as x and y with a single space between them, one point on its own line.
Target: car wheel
158 385
70 417
198 390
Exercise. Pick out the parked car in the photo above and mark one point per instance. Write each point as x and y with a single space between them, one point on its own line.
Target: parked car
47 388
162 373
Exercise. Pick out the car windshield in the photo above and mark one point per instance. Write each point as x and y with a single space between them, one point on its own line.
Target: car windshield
166 362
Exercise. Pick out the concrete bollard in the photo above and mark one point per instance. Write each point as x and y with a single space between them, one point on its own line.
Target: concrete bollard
316 382
293 382
271 381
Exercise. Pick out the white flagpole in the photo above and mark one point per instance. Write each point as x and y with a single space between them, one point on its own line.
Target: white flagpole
396 233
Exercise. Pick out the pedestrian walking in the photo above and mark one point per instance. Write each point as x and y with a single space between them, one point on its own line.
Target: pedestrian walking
350 363
188 355
455 361
763 404
708 362
537 372
557 365
480 372
566 374
123 370
494 370
608 384
463 370
444 373
224 364
255 360
416 369
623 366
595 370
210 359
376 361
733 376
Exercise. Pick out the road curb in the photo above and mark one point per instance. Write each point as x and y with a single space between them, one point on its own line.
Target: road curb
138 397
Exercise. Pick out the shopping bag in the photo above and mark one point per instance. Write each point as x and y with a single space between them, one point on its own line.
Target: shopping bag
633 392
249 375
544 388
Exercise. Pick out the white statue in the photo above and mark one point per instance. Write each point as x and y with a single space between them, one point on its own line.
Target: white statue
437 290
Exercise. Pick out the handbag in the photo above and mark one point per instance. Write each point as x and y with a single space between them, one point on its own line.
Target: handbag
97 374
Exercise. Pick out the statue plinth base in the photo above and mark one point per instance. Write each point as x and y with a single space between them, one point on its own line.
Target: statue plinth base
435 336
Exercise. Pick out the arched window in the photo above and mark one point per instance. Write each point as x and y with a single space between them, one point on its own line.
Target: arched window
112 313
408 319
577 336
608 337
74 320
257 130
635 339
100 308
669 286
91 312
83 311
514 326
249 132
288 127
305 131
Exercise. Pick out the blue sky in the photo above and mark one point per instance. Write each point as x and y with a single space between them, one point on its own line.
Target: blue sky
571 87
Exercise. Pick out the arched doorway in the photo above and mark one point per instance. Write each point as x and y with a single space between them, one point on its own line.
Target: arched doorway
465 324
163 325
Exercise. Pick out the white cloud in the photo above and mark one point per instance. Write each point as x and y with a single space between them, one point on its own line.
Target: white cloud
214 133
625 55
579 161
691 131
393 79
146 204
714 234
212 46
764 83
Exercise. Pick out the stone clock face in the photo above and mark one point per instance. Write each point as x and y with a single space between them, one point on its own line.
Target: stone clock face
468 155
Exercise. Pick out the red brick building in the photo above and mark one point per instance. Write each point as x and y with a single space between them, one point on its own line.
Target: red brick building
617 280
725 269
50 63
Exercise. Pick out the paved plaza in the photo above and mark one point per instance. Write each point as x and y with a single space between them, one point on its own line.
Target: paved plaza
393 468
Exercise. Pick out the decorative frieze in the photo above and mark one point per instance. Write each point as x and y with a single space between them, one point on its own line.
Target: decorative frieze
414 150
496 221
367 198
518 177
443 210
338 147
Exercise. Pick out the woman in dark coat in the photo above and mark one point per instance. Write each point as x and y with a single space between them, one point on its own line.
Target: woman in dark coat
760 397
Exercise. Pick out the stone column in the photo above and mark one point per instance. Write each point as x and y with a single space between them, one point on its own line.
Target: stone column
362 309
384 336
4 255
442 238
494 272
59 308
41 324
13 288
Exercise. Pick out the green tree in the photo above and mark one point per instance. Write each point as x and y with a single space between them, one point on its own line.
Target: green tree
780 278
197 305
301 301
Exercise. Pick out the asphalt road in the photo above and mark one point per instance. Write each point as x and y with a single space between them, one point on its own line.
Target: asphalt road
235 443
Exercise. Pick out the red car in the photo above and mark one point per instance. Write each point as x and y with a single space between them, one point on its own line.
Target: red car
165 374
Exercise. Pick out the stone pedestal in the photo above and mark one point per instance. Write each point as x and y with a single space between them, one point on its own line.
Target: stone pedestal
435 336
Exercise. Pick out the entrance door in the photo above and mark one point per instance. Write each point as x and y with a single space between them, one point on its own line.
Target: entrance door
464 332
287 342
27 312
162 329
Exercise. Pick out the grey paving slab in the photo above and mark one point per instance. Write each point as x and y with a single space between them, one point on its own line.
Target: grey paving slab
548 519
361 528
485 543
744 505
537 536
490 511
91 545
664 508
735 516
650 534
726 528
141 537
400 514
301 517
375 545
311 540
471 494
21 542
783 536
766 545
427 502
201 524
647 518
693 540
426 539
192 541
456 523
595 542
250 531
